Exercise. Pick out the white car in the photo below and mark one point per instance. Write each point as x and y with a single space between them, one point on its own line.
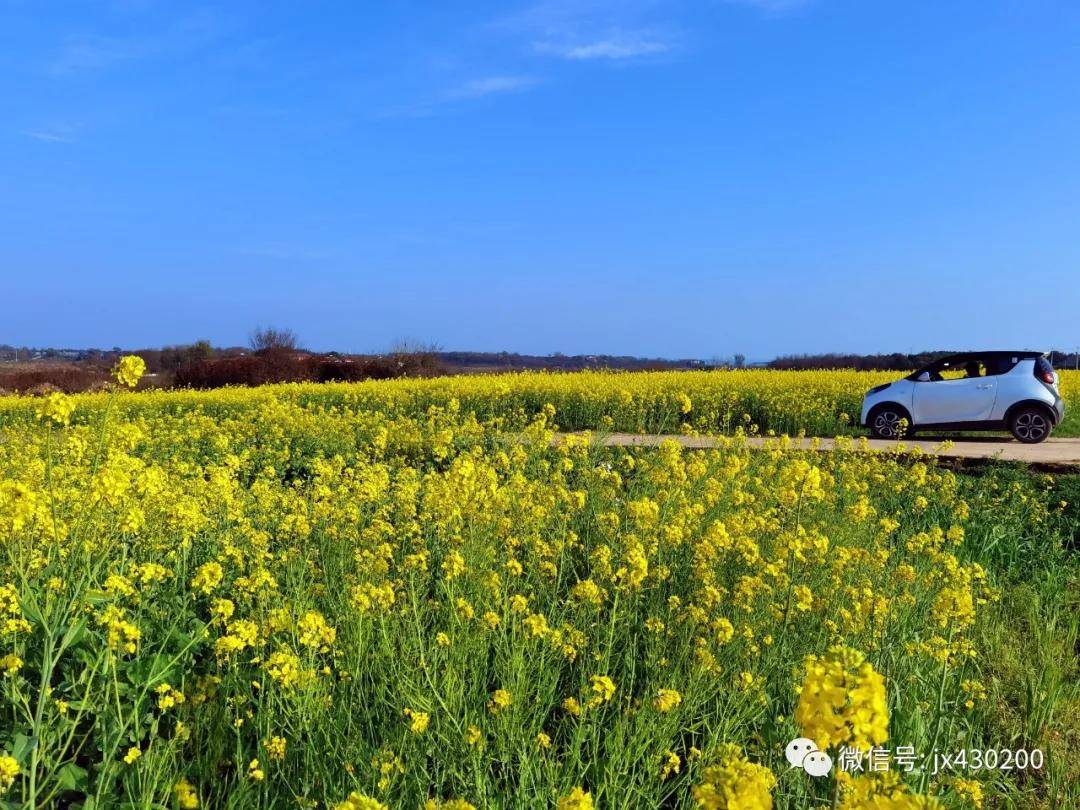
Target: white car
1014 391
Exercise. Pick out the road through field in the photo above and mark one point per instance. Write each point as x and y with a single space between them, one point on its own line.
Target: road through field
1051 453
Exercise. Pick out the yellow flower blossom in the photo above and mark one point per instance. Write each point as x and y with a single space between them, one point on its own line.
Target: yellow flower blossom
842 701
56 408
418 721
275 748
670 764
666 700
734 783
358 801
130 370
207 577
285 668
500 701
186 797
9 772
576 799
315 632
168 697
603 689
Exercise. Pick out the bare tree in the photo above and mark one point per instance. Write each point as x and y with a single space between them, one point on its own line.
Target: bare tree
416 358
272 338
408 346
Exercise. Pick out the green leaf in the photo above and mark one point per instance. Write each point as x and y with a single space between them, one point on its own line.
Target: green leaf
21 746
72 777
31 609
75 633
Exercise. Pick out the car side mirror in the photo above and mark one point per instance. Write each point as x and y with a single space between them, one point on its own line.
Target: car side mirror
923 377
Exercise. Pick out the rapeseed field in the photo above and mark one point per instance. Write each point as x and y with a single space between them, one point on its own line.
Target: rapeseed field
405 595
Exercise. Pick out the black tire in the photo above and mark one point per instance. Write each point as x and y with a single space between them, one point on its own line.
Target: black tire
1030 424
884 422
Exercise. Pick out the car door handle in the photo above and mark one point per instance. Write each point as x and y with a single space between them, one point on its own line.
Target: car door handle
985 385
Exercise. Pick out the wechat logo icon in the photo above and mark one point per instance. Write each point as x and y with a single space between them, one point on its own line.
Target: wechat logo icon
803 753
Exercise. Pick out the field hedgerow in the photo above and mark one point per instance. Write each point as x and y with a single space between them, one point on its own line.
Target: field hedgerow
296 597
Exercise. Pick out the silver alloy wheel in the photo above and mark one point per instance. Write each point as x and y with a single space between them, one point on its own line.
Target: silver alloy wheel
887 424
1030 426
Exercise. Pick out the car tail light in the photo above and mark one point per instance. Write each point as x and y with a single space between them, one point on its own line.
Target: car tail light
1044 372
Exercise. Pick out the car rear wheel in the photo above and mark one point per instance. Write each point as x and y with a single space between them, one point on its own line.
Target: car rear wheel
1030 425
888 422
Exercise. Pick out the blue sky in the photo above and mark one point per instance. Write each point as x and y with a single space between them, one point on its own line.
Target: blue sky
626 176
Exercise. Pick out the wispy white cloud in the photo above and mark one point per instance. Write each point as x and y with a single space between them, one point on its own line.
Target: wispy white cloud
571 30
487 86
463 93
566 18
615 46
48 137
584 30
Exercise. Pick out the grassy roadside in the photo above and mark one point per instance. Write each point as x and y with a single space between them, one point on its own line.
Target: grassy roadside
1031 638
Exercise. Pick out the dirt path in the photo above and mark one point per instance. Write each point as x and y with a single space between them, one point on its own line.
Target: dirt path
1051 453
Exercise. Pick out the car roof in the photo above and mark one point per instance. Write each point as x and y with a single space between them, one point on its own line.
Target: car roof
1022 354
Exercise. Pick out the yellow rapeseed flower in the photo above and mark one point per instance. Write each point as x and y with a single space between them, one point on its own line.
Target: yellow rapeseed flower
130 370
576 799
275 748
186 797
56 408
842 701
734 783
418 721
9 771
500 701
666 700
603 689
207 577
358 801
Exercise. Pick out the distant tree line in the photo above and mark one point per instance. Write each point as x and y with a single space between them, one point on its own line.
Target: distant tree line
896 361
274 354
513 361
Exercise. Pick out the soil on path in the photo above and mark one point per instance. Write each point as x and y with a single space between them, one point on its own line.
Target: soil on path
1051 453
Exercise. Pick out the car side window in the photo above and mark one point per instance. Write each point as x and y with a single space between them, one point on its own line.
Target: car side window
999 365
951 371
934 371
975 368
960 368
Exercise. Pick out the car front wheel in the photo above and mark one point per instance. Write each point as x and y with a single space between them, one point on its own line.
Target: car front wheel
1030 425
889 423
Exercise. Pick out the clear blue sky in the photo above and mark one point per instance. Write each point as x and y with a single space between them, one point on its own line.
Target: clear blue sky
659 178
